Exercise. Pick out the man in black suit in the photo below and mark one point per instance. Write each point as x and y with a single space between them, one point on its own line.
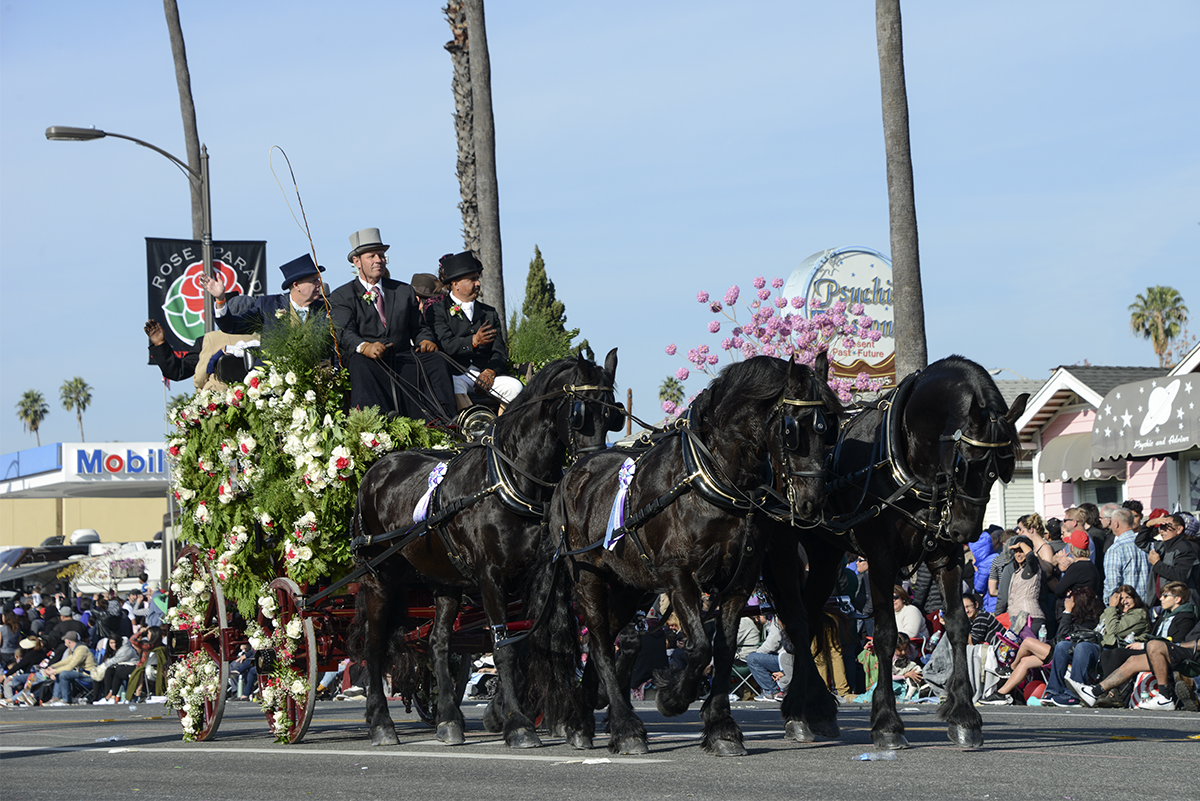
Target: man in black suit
302 297
468 330
378 326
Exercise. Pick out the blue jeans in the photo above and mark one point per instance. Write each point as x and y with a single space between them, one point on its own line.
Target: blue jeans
1081 662
62 683
761 667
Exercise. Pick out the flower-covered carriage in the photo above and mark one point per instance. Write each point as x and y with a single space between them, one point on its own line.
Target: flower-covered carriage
266 474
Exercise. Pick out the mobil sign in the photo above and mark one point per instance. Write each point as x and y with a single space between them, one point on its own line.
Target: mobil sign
126 460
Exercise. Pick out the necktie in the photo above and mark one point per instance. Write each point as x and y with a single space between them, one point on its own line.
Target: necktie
303 314
379 305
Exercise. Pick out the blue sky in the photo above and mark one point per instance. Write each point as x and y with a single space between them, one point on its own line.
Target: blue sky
650 149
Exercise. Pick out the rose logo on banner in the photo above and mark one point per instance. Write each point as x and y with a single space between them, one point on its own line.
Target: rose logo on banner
184 302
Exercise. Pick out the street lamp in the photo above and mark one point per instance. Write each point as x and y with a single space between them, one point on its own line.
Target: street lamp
62 133
999 370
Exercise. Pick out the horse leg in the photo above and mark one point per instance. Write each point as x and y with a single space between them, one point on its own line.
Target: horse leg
964 724
680 687
887 729
808 709
518 728
553 685
377 634
721 735
450 722
627 733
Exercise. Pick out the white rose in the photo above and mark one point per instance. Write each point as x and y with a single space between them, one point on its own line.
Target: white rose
188 723
198 586
289 397
310 396
297 687
304 553
291 378
294 627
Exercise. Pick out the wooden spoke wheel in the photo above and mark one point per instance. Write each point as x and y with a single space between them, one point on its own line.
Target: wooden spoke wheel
209 638
303 659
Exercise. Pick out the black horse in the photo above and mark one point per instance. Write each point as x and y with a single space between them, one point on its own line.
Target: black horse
484 530
753 443
911 478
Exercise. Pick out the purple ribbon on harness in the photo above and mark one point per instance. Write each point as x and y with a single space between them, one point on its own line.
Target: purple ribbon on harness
617 518
421 511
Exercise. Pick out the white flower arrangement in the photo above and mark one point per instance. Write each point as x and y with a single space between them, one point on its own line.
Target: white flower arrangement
190 585
192 682
284 683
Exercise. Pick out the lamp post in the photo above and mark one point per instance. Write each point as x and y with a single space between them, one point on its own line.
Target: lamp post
999 370
62 133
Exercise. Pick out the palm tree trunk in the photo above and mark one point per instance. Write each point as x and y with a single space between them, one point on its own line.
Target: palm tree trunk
79 417
484 135
911 352
190 135
460 85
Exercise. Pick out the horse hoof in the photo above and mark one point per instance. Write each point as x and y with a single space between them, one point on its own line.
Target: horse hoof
728 748
451 733
384 735
825 729
889 741
524 738
631 746
798 731
965 737
579 741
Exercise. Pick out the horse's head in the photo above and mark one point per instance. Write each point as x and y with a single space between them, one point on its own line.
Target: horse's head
773 422
961 438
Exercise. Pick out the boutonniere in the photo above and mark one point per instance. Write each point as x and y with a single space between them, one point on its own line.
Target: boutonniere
368 297
456 311
279 313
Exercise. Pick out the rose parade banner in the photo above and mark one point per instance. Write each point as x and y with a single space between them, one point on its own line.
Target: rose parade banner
175 282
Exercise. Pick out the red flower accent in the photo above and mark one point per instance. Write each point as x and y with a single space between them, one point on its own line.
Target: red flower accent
254 381
342 463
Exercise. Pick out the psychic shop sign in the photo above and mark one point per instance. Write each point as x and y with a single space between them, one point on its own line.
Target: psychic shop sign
852 275
175 282
1152 417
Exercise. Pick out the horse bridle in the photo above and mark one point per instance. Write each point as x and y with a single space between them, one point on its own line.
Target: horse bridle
961 469
792 439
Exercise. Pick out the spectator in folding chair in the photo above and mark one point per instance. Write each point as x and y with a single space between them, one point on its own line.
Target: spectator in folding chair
75 668
1165 660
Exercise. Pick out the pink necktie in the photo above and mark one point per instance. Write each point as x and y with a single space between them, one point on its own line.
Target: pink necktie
379 305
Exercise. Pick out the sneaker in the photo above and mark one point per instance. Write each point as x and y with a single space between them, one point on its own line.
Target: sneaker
1062 700
1113 699
1186 697
27 698
778 697
765 697
1083 692
996 699
1158 702
57 702
1004 671
354 690
104 702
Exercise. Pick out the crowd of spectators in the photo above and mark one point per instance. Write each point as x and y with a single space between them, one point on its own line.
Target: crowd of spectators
57 650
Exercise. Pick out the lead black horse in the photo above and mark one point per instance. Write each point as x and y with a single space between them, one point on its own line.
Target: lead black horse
752 444
483 529
911 478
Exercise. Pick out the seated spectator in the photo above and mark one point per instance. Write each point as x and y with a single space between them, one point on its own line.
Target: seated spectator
764 663
909 620
1071 568
1178 613
149 677
243 674
906 671
67 622
983 624
1079 622
1159 657
120 658
77 664
469 332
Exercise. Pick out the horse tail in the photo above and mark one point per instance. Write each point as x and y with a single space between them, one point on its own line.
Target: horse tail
552 688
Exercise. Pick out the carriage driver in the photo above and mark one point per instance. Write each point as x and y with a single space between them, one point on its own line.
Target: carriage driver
468 330
381 333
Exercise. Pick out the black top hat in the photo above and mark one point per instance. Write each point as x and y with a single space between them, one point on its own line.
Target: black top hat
299 268
457 265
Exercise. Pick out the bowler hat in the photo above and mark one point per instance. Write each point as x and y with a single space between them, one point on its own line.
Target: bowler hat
452 266
364 240
299 268
424 284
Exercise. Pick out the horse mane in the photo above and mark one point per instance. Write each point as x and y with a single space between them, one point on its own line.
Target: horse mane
987 394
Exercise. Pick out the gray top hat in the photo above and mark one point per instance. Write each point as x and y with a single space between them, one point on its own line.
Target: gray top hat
364 240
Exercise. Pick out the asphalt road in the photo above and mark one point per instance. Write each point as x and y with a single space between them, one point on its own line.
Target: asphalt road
65 753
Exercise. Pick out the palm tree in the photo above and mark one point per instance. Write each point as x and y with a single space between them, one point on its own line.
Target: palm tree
671 390
32 410
76 395
1158 316
911 349
187 108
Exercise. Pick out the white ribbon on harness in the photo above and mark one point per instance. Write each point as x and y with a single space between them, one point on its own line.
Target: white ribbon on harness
617 518
421 511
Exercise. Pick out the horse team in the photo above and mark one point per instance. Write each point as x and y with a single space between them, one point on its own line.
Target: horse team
766 475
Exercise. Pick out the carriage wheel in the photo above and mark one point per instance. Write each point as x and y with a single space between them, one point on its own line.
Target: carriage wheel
303 659
424 698
209 639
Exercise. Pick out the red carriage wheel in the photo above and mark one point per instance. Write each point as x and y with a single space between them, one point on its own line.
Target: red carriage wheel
304 659
209 638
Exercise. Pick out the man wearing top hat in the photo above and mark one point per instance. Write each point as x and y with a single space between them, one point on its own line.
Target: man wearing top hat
242 315
378 327
468 330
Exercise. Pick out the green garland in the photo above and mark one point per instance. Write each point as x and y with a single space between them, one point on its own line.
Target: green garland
278 451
